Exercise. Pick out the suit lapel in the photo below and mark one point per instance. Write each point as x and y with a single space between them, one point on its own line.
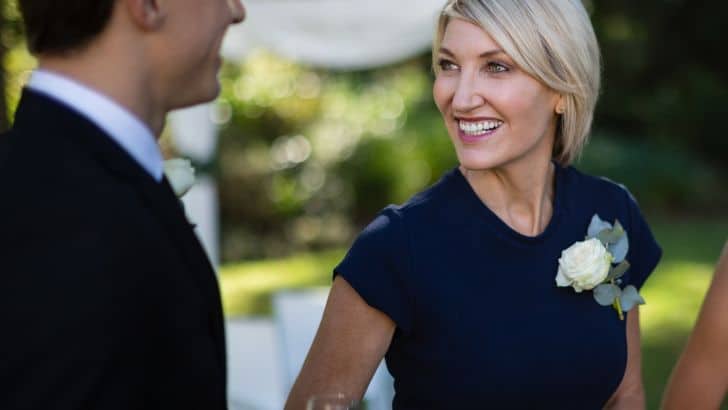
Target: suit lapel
161 199
158 197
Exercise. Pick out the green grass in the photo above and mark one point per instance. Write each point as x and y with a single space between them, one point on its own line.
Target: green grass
674 292
247 287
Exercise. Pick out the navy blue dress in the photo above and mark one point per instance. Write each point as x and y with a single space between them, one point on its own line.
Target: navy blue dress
480 322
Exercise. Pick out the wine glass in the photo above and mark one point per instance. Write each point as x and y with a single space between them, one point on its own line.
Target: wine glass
335 401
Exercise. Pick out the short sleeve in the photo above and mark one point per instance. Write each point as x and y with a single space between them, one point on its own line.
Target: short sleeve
644 252
376 266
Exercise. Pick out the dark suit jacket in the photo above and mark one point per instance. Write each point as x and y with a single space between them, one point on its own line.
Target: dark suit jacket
107 300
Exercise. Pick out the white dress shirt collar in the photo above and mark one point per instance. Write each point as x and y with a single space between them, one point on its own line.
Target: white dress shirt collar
120 125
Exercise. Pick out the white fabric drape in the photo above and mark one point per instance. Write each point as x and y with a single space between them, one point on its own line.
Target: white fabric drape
339 34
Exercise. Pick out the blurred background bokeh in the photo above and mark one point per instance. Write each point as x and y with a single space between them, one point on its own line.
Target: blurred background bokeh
307 155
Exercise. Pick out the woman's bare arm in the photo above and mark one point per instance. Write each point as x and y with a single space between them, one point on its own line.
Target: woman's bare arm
349 345
700 378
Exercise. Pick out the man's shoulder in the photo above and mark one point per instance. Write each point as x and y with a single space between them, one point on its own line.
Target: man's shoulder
52 180
29 159
59 184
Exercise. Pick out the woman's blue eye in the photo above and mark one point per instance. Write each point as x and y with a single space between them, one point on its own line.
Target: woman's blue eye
496 67
447 65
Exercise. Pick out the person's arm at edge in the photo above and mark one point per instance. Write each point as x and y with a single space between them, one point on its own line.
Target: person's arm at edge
700 378
349 345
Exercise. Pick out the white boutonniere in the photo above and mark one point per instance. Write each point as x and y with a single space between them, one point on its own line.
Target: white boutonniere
181 176
598 263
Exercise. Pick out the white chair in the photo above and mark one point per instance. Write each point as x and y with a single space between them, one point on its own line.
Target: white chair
255 381
296 314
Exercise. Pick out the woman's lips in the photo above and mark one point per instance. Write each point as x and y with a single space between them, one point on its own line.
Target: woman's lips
475 130
473 138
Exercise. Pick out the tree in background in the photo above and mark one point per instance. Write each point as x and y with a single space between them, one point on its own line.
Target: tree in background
14 58
3 52
666 73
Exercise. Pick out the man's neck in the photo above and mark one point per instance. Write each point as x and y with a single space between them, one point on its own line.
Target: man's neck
117 122
116 79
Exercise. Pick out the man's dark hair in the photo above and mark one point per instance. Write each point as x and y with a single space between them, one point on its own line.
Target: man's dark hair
58 26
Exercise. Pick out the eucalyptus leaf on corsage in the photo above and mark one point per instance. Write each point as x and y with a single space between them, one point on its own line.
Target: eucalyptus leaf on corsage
598 263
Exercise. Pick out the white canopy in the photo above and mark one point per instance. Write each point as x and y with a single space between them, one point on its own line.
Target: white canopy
340 34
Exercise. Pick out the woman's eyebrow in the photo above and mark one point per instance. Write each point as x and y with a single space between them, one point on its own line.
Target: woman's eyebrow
486 54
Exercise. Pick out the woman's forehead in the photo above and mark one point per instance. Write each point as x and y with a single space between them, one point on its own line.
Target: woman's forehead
464 36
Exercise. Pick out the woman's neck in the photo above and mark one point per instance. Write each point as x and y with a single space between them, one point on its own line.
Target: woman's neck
520 195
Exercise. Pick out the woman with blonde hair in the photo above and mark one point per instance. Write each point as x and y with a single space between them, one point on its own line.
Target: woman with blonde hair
512 282
700 378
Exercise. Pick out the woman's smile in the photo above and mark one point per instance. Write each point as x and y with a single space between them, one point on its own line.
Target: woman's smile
472 130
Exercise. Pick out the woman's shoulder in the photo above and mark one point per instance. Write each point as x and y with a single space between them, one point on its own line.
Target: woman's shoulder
424 208
590 194
581 185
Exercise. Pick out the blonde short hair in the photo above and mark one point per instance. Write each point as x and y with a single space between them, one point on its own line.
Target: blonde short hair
553 41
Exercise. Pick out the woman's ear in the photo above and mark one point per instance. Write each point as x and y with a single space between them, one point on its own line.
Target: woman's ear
148 15
560 105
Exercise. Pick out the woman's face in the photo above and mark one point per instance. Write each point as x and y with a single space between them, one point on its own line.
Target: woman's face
495 113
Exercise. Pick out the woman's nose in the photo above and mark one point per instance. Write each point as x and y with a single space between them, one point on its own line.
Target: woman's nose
237 10
467 95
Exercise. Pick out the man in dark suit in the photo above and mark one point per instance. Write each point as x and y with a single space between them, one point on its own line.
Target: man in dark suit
107 300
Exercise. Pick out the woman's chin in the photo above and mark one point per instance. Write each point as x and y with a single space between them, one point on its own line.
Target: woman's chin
477 162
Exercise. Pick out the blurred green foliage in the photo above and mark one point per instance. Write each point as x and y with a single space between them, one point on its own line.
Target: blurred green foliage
16 61
661 177
307 156
665 73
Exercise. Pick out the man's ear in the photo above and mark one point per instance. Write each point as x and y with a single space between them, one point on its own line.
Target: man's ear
148 15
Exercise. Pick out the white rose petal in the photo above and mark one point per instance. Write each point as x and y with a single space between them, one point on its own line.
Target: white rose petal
584 265
561 279
181 175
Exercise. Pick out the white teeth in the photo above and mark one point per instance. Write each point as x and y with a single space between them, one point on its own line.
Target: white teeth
479 127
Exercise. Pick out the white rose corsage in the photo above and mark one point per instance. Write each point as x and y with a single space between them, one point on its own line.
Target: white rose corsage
598 263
